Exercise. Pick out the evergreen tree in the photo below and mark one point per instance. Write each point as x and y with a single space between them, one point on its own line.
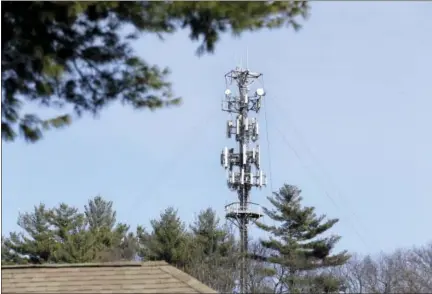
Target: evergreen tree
143 241
210 236
75 244
38 244
8 256
127 248
215 254
297 244
55 235
168 240
100 214
119 244
112 238
73 55
64 235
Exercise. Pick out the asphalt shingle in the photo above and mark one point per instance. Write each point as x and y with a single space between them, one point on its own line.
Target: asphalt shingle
121 277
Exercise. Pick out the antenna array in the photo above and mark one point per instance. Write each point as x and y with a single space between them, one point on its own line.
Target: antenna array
243 165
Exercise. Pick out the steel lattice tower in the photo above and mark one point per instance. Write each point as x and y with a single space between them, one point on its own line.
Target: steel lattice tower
243 165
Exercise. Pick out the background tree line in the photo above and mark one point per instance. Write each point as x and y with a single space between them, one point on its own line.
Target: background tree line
295 258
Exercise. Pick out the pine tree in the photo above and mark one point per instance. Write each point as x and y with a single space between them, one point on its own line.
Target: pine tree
64 235
101 219
143 243
8 256
210 236
74 243
112 238
215 256
168 240
100 214
56 235
297 244
38 244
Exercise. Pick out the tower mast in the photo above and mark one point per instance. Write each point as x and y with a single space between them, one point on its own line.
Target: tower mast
243 166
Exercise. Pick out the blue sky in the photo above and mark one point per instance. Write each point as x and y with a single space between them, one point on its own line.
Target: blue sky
348 93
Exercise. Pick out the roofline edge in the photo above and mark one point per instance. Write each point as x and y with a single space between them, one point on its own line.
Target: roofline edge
74 265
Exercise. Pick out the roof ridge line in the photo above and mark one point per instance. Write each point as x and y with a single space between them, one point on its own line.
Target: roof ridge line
88 265
187 279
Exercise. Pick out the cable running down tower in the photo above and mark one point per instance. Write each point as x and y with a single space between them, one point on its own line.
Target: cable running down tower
243 165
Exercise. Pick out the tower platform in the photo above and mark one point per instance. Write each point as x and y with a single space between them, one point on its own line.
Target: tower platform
235 211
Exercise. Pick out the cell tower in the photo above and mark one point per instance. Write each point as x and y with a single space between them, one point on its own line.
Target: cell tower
243 165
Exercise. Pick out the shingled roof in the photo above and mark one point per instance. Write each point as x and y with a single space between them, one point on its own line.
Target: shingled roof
124 277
